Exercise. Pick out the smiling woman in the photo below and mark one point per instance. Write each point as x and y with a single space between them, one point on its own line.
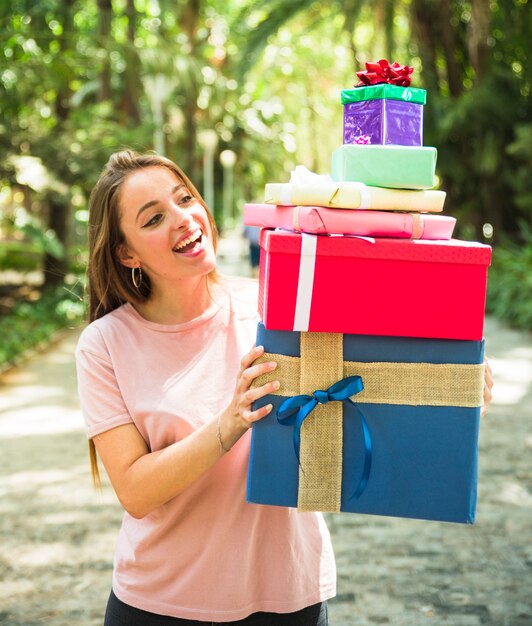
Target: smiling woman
165 370
110 284
169 235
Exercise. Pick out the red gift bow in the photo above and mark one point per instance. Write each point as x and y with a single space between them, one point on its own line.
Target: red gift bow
383 72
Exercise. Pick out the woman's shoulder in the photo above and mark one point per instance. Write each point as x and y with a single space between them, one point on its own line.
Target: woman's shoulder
242 286
94 336
244 294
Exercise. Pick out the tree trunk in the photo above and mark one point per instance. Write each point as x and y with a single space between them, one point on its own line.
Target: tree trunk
377 42
454 78
190 21
55 269
132 87
478 36
423 20
62 104
58 220
105 10
389 34
351 10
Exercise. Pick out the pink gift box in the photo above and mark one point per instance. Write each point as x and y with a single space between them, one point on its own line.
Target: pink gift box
389 287
321 220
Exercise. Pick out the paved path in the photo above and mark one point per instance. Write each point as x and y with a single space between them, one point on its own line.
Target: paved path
57 534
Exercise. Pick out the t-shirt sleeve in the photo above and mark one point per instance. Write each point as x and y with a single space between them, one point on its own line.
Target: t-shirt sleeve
101 401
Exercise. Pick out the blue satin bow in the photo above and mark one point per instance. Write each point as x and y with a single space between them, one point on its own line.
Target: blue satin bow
293 412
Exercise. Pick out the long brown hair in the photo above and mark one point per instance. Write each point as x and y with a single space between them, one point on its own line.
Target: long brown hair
109 282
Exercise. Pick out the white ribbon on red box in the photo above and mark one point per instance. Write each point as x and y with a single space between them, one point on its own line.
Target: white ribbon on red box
305 281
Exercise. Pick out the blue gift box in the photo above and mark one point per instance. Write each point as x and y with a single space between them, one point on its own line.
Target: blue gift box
423 458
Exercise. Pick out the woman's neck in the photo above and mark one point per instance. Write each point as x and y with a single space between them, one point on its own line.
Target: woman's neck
181 303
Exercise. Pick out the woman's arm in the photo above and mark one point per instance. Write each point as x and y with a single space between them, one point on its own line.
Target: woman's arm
144 480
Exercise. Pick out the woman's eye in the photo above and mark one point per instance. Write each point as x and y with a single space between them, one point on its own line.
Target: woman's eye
153 220
186 199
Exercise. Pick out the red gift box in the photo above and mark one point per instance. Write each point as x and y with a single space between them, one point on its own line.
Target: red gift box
390 287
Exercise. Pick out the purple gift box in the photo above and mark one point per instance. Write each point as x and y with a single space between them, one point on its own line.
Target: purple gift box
383 121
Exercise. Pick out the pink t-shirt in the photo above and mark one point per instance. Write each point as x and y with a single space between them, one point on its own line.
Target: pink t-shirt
206 554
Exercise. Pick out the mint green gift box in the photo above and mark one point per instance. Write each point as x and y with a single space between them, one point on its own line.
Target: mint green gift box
396 167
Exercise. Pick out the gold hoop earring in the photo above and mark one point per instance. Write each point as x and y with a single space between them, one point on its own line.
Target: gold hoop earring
137 281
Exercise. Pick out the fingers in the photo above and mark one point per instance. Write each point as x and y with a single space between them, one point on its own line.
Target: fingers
487 397
249 369
245 396
252 395
488 373
250 357
254 371
249 416
488 384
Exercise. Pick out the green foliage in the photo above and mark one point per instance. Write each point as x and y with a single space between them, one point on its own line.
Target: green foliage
520 151
19 256
36 238
26 240
29 324
484 153
510 282
260 20
77 83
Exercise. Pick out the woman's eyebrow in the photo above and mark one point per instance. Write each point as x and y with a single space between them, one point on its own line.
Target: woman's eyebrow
153 202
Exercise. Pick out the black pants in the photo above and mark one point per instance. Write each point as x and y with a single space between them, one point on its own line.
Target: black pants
120 614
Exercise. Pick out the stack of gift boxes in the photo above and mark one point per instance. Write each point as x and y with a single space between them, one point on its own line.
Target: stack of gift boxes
375 318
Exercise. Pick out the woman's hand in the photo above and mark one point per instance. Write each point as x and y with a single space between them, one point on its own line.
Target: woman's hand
488 384
239 416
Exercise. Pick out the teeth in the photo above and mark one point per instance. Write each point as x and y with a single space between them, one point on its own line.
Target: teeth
195 235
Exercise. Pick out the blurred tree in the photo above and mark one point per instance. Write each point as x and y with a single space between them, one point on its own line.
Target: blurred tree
479 99
189 20
478 36
105 11
80 79
54 267
261 19
50 72
449 48
131 93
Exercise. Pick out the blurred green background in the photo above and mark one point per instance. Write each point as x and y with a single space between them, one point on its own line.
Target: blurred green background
238 93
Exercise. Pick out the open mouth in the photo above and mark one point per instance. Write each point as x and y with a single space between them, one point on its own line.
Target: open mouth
189 243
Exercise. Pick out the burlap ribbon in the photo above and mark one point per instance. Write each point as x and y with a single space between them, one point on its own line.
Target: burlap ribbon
321 433
321 365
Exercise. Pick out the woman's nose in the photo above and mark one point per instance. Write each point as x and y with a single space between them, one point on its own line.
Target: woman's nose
181 217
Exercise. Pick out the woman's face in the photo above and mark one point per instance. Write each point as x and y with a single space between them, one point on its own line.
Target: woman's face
166 229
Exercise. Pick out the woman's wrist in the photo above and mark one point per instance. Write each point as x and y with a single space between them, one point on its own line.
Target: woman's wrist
228 431
221 445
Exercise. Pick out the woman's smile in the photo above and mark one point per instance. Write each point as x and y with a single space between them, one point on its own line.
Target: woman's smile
189 243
